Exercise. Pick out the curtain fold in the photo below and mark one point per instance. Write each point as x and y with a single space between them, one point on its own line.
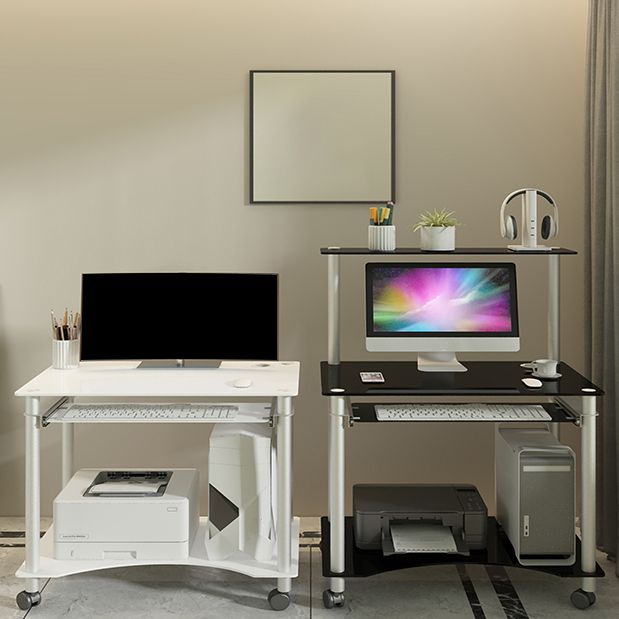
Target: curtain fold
602 252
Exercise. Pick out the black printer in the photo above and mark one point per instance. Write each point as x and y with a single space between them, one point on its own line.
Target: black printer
401 518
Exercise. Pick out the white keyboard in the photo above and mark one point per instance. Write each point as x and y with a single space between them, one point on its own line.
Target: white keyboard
461 412
153 412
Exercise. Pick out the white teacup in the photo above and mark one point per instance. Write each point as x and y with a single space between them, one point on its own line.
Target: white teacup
544 368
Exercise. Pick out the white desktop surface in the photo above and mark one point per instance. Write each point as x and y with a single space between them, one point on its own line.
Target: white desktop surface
124 378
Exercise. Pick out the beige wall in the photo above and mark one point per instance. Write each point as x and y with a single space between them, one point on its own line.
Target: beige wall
123 146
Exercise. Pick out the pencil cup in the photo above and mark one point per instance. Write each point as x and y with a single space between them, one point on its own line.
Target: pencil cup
65 354
381 238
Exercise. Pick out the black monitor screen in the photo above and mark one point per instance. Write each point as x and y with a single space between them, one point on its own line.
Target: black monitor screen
127 316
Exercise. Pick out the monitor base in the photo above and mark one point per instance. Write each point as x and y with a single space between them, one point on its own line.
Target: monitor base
439 362
181 364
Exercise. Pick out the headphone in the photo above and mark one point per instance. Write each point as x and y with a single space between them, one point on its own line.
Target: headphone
550 223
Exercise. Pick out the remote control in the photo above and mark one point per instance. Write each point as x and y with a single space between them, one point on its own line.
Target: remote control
372 377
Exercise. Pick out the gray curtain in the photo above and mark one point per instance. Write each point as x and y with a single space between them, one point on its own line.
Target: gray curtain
602 252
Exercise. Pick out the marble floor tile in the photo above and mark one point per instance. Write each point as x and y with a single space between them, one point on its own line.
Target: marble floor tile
10 585
437 592
162 591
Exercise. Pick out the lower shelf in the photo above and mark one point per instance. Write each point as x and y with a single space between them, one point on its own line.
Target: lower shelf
498 552
55 568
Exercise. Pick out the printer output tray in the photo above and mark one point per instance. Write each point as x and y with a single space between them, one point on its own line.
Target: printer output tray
420 536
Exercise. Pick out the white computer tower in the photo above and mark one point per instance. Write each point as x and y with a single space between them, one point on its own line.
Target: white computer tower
241 472
535 491
127 515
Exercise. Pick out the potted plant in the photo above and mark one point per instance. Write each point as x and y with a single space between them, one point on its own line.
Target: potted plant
438 230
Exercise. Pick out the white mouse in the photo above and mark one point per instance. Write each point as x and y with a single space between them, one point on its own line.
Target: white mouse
243 383
532 383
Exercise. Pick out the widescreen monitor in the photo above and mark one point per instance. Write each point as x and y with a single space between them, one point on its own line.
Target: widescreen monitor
438 309
179 319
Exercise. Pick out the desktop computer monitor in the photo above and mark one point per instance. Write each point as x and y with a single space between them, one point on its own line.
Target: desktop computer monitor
438 309
179 319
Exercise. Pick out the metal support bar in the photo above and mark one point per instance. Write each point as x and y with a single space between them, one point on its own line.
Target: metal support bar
333 305
33 490
283 437
587 510
337 425
67 452
553 326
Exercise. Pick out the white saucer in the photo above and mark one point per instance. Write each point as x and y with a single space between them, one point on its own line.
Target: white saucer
546 377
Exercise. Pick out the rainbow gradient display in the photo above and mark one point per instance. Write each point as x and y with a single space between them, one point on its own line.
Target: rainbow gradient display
441 299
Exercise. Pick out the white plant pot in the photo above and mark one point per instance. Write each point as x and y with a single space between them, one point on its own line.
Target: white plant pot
436 238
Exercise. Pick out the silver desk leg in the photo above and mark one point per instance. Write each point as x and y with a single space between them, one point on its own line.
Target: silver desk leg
553 327
33 491
67 453
333 306
337 424
283 430
587 510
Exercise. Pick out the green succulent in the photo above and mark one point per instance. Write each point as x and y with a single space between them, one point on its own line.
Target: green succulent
436 219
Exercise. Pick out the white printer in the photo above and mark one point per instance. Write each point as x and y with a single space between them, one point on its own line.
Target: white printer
129 514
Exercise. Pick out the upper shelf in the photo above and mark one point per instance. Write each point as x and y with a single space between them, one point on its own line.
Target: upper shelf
363 251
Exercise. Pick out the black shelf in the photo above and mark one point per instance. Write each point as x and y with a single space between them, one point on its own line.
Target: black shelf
471 251
499 551
365 413
483 378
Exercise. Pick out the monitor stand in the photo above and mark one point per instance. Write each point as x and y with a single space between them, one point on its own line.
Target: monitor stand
439 362
189 364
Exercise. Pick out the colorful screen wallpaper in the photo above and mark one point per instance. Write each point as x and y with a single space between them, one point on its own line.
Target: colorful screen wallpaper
447 299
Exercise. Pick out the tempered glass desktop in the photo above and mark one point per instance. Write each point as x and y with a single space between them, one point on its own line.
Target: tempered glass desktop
179 319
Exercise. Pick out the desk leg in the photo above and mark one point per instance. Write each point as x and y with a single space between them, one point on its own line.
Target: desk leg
337 424
283 421
553 325
587 510
67 452
32 596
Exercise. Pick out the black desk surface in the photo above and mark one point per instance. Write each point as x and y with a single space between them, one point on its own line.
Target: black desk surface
482 378
360 251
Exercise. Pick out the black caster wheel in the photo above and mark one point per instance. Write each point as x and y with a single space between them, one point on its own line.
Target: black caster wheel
26 600
331 599
278 600
582 599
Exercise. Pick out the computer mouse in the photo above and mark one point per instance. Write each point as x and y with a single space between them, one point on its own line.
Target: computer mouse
243 383
532 383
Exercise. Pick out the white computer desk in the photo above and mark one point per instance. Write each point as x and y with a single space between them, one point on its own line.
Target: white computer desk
277 382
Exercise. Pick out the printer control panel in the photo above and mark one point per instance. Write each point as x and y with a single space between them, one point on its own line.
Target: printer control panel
471 501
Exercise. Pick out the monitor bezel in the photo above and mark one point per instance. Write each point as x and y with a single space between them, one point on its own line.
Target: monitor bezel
370 267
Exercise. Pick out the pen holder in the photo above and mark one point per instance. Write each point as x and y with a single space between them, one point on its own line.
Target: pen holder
381 238
65 354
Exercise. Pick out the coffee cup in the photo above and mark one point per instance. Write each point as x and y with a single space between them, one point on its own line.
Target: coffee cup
544 368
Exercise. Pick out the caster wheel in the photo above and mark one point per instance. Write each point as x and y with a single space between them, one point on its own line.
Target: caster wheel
26 600
582 599
278 600
331 599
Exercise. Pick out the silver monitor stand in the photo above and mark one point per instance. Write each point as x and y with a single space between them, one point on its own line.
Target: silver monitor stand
191 364
439 362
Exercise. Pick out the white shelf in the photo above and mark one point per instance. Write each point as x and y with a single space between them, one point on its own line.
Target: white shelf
55 568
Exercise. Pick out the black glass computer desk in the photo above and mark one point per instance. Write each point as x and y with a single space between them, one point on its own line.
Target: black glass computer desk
570 399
